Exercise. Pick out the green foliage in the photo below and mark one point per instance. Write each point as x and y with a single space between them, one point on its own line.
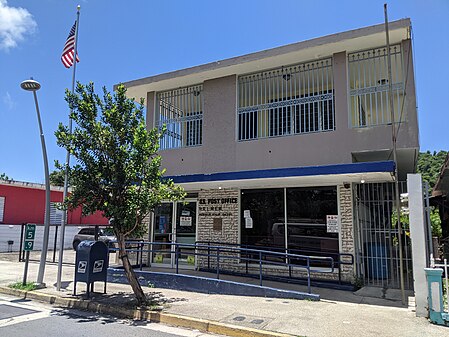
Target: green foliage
435 220
429 165
3 176
117 168
57 177
19 285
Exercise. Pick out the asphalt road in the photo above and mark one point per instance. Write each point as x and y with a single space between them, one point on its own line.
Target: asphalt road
24 318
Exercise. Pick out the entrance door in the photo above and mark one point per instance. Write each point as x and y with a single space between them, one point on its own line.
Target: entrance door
186 231
163 234
182 231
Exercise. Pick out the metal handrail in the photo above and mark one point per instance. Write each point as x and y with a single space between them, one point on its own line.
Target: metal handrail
338 262
217 252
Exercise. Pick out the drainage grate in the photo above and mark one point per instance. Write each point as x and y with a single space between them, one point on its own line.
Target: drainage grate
9 311
246 320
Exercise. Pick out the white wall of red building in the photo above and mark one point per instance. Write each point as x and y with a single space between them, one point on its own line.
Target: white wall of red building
22 202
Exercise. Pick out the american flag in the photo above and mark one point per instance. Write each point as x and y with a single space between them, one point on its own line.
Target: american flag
67 53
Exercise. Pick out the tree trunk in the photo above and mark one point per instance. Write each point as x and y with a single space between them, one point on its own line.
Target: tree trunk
129 271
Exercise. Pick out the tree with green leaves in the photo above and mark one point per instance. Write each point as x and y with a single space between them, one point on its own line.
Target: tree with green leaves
429 165
3 176
57 178
117 169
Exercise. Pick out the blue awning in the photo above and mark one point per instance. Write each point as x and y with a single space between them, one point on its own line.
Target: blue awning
352 168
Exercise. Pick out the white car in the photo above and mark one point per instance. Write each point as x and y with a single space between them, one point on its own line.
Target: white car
88 233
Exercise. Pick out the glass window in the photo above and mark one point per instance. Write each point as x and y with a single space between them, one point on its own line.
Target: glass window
285 101
265 208
307 210
369 87
181 111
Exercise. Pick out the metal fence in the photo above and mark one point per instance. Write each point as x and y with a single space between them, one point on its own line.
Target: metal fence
285 101
181 111
377 241
368 81
220 254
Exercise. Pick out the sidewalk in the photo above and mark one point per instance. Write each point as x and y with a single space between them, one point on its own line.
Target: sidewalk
339 313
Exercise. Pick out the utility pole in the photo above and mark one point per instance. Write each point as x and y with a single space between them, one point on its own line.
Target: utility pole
396 176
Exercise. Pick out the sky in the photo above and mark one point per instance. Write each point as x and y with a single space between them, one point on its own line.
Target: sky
126 40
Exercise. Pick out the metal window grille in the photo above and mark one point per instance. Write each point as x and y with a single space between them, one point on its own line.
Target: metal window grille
2 208
286 101
377 248
181 111
369 87
55 213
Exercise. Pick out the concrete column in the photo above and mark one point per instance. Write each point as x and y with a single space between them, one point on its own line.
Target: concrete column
346 232
150 103
418 237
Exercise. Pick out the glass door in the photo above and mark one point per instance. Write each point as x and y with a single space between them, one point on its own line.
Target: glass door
182 231
163 235
186 231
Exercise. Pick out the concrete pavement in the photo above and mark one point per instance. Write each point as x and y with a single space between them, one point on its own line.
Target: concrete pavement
339 313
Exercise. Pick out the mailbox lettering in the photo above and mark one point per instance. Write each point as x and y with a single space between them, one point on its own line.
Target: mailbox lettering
82 265
98 266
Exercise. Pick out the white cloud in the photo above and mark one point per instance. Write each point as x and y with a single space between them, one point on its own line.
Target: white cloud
7 100
15 23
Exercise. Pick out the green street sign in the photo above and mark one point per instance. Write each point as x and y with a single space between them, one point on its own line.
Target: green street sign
30 230
29 244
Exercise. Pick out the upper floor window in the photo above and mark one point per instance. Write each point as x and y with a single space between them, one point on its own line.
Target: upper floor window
181 111
369 87
286 101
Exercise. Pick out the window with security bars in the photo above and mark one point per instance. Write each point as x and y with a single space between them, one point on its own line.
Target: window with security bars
2 208
369 87
286 101
56 213
181 112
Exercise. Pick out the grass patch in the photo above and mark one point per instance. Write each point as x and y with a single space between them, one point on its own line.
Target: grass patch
19 285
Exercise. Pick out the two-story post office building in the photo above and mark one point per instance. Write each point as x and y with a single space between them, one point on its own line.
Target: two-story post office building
290 148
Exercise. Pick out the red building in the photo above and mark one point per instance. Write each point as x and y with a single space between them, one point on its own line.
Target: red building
22 202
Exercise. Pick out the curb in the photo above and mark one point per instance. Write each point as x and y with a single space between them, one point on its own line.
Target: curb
142 314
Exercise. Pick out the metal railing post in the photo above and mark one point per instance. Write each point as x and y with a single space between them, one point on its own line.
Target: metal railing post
308 276
446 282
177 258
260 268
141 255
218 263
208 255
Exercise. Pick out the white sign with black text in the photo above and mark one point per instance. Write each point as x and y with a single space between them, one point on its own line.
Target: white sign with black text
185 221
249 223
333 223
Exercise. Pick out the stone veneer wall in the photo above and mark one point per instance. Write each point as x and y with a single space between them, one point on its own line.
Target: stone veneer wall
211 207
221 207
346 232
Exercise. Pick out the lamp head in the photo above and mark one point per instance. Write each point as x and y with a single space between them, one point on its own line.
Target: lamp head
30 85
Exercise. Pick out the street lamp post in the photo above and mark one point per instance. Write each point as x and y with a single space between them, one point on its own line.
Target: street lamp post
32 85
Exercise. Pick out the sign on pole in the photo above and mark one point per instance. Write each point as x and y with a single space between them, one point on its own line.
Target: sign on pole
30 231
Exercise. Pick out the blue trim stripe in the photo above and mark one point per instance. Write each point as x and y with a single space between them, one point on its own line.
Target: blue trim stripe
365 167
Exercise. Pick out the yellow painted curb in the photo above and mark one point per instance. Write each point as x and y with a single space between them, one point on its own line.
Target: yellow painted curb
142 314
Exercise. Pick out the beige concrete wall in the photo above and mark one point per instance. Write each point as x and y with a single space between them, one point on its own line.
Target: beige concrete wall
221 152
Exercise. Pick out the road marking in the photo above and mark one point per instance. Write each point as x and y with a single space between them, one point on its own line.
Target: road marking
176 331
36 313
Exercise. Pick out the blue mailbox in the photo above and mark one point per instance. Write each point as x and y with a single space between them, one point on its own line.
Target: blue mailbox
92 262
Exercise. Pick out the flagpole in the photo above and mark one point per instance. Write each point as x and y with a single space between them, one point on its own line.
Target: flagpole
66 176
